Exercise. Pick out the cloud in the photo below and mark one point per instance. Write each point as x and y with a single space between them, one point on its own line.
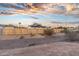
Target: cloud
43 8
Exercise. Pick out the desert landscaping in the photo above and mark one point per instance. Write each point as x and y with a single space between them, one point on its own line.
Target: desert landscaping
39 29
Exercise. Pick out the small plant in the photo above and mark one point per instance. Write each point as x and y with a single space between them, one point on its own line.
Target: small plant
48 32
21 37
32 44
42 34
31 34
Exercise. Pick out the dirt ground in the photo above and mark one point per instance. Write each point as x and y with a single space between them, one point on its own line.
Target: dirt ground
39 46
53 49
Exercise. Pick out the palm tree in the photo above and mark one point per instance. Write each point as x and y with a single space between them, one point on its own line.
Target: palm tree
19 24
21 37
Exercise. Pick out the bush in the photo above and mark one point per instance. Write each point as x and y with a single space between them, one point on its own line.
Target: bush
71 35
32 34
21 37
32 44
48 32
65 30
42 34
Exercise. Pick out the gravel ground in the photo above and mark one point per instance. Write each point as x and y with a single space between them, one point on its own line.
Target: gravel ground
39 46
21 43
53 49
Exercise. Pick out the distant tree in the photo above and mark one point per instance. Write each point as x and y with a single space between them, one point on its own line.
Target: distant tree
36 25
60 27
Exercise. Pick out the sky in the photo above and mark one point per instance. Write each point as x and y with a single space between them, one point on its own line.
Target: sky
44 13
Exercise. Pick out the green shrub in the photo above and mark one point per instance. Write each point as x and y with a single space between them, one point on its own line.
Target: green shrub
65 30
48 32
71 35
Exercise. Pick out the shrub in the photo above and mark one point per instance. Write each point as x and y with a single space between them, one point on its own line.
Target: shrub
32 34
65 30
21 37
71 35
42 34
48 32
32 44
